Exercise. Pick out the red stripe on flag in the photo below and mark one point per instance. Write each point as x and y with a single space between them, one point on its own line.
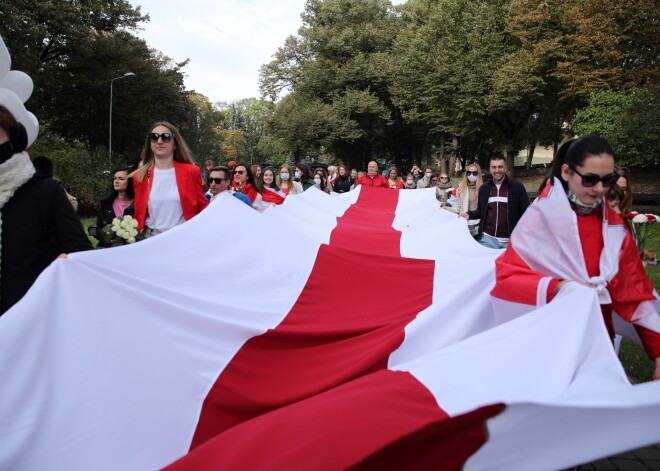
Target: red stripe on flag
349 317
366 226
387 420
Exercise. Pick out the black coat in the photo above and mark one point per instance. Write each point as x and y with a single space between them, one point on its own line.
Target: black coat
38 224
105 216
517 203
342 184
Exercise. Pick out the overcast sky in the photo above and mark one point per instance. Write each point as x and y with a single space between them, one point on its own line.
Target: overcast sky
226 40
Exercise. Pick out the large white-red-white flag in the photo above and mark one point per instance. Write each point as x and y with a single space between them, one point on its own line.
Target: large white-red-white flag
332 332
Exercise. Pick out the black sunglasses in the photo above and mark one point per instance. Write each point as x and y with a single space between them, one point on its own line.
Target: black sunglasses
475 173
166 136
591 179
443 178
217 180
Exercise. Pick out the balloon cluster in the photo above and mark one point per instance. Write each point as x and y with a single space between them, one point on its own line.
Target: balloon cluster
15 88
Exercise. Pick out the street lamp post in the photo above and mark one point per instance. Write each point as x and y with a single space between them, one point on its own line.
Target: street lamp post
127 74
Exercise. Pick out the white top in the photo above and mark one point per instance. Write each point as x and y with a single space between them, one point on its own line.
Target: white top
164 210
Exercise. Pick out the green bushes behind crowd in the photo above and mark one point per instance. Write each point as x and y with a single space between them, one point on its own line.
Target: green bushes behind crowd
85 174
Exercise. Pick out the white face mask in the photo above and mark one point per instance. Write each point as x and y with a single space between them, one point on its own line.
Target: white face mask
317 181
427 175
284 176
471 178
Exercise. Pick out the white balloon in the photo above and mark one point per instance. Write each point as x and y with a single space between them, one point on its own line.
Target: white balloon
15 106
5 59
18 82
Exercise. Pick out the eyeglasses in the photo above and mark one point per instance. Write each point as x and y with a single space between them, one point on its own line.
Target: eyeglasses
434 180
444 178
217 180
238 172
475 173
591 179
166 136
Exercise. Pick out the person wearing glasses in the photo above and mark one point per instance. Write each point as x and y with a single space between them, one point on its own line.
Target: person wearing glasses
620 194
219 182
244 183
570 234
443 187
501 203
465 196
168 189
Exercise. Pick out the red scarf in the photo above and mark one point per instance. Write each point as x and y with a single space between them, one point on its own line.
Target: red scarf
271 196
248 190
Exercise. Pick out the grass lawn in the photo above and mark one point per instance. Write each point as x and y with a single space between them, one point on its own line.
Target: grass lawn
86 222
635 361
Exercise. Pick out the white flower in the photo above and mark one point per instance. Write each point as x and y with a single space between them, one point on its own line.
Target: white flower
640 218
131 240
115 222
134 222
132 232
115 228
123 224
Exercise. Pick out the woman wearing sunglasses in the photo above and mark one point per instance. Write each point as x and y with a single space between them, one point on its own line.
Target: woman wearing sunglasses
570 234
465 197
244 183
168 187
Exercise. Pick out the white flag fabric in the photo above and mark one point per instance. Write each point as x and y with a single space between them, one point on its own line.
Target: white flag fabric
331 332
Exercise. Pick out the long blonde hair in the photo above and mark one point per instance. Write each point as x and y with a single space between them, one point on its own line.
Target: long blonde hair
464 183
147 159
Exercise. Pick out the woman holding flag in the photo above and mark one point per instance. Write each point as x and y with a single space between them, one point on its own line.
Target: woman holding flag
583 241
270 191
168 188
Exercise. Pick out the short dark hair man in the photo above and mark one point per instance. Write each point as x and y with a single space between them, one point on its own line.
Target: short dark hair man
219 182
501 203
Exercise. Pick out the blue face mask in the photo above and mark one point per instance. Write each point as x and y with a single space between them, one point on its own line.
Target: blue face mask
284 176
297 174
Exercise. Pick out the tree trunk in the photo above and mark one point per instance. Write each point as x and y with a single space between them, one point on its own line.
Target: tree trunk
510 161
452 159
443 158
530 156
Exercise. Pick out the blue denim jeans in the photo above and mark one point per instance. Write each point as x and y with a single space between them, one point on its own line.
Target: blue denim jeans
491 242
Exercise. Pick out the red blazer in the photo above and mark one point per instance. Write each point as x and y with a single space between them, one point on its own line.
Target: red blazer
189 184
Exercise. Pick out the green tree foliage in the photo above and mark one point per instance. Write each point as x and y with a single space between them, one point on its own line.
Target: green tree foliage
72 50
83 172
336 66
629 120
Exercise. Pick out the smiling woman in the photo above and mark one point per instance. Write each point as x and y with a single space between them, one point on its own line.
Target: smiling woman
168 186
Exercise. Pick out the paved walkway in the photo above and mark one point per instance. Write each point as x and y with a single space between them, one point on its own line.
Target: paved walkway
642 459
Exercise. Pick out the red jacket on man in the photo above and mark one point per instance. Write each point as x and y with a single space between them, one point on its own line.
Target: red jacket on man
189 184
378 181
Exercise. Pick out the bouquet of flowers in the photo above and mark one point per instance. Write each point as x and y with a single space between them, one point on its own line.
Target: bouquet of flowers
121 232
639 226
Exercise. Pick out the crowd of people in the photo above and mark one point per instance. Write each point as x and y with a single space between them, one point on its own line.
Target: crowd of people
167 189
